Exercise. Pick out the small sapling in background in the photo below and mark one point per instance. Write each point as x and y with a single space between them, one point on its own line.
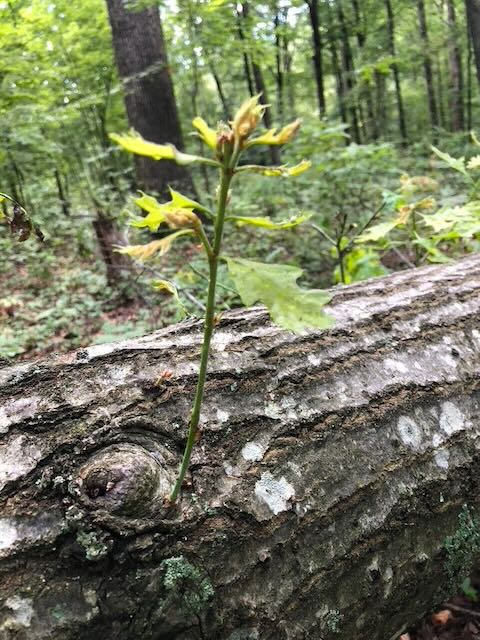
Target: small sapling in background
18 219
274 285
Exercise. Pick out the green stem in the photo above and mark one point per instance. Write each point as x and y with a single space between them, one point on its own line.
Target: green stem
213 259
416 247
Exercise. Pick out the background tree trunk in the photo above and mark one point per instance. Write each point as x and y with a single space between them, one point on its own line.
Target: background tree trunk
473 21
317 57
427 65
261 88
149 98
348 74
330 469
456 100
402 125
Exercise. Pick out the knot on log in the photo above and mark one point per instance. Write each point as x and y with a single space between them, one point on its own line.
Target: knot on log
125 479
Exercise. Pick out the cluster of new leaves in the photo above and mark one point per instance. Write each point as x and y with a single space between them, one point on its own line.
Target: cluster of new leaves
290 306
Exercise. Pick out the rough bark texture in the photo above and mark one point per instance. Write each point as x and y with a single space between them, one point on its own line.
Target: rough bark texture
149 98
330 469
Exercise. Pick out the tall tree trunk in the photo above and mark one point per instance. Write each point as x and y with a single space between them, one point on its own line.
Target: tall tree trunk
473 21
469 82
402 124
288 58
261 87
330 470
62 195
149 98
440 93
370 126
221 94
317 57
246 60
456 101
427 65
336 68
381 111
348 73
108 237
279 66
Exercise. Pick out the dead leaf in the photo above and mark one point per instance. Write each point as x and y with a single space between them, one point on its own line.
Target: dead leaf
442 617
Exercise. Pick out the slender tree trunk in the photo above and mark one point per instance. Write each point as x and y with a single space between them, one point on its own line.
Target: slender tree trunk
456 101
440 93
402 124
317 57
62 196
110 236
221 94
246 60
427 65
337 69
370 126
279 66
261 87
473 21
149 98
348 73
469 83
287 55
381 111
330 470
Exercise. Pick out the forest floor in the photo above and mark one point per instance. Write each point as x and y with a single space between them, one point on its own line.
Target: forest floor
457 619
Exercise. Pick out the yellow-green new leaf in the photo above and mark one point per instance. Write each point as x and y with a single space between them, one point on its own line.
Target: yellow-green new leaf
277 136
455 163
474 163
284 170
207 134
168 288
274 285
267 223
165 286
179 201
143 252
134 143
155 211
377 231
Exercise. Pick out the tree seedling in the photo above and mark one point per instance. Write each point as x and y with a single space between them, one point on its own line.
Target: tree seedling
274 285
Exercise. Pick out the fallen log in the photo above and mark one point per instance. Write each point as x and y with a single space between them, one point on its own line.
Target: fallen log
330 469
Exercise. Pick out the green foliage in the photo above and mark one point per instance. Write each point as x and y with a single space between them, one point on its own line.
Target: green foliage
275 286
463 547
186 585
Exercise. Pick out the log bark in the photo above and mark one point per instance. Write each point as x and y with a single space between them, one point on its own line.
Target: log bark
330 469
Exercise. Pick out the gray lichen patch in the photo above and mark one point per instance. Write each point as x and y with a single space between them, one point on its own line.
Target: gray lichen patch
14 411
254 451
409 432
26 531
275 494
20 613
18 457
451 418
